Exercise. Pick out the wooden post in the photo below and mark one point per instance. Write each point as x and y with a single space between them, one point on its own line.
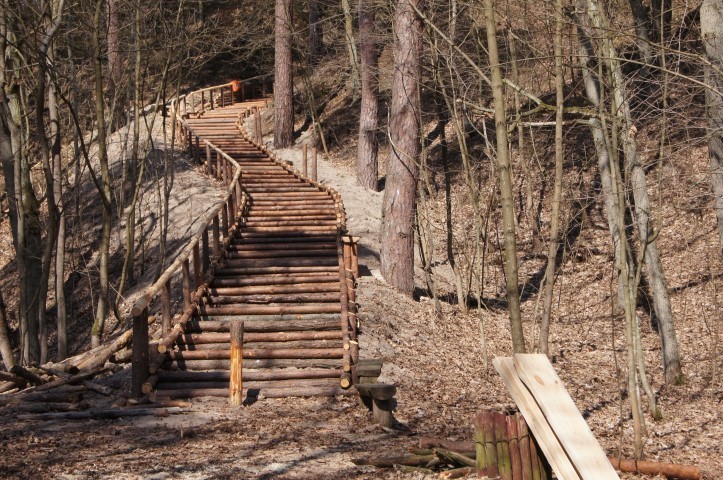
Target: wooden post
513 441
186 284
235 387
503 448
203 101
259 133
524 440
197 274
224 220
210 94
205 257
216 240
197 150
139 356
243 91
485 444
304 159
166 307
208 159
217 171
314 155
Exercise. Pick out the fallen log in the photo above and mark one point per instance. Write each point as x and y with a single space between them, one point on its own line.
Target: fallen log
107 413
12 379
98 388
454 458
456 472
42 397
27 375
389 462
43 407
75 379
669 470
454 445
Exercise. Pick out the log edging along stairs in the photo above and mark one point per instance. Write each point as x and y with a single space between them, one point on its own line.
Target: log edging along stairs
274 253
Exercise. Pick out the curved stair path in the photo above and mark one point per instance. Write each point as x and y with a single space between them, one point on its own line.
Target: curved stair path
280 267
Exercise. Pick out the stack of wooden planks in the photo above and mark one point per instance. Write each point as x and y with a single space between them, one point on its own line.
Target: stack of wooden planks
562 433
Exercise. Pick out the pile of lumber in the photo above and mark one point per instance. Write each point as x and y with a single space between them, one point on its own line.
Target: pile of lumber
562 434
73 370
456 459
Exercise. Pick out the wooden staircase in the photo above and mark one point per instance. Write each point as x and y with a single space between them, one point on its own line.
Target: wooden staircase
281 269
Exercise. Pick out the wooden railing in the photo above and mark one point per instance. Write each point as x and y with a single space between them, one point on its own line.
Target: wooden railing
206 249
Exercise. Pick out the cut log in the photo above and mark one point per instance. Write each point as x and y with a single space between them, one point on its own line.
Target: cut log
108 413
457 472
276 392
454 457
255 363
251 375
670 470
43 397
389 462
26 374
75 379
267 323
98 388
260 353
13 380
43 407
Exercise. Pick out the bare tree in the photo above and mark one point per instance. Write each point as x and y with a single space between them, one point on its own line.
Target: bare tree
367 163
105 187
711 25
283 79
397 230
505 183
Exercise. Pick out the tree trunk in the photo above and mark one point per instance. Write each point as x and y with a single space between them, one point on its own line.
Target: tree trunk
557 192
642 29
351 47
283 79
397 232
105 190
316 40
6 350
367 164
646 230
711 25
505 182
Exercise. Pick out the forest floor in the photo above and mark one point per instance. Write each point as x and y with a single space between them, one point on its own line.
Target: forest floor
443 376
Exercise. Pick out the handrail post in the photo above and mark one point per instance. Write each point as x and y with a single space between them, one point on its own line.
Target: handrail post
210 95
304 159
197 150
186 268
204 250
139 354
314 157
215 239
166 307
197 274
217 171
208 159
224 221
203 101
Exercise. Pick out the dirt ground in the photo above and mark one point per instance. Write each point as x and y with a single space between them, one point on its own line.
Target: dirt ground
443 374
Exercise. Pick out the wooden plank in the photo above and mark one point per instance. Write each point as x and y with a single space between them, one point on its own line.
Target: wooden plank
554 453
573 432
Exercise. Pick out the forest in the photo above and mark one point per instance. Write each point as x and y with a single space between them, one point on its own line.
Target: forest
525 177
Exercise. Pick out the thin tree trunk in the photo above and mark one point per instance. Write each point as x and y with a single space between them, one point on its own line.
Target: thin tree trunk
397 231
505 183
367 163
642 29
351 47
557 192
55 149
283 80
315 32
646 230
711 25
105 191
6 350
